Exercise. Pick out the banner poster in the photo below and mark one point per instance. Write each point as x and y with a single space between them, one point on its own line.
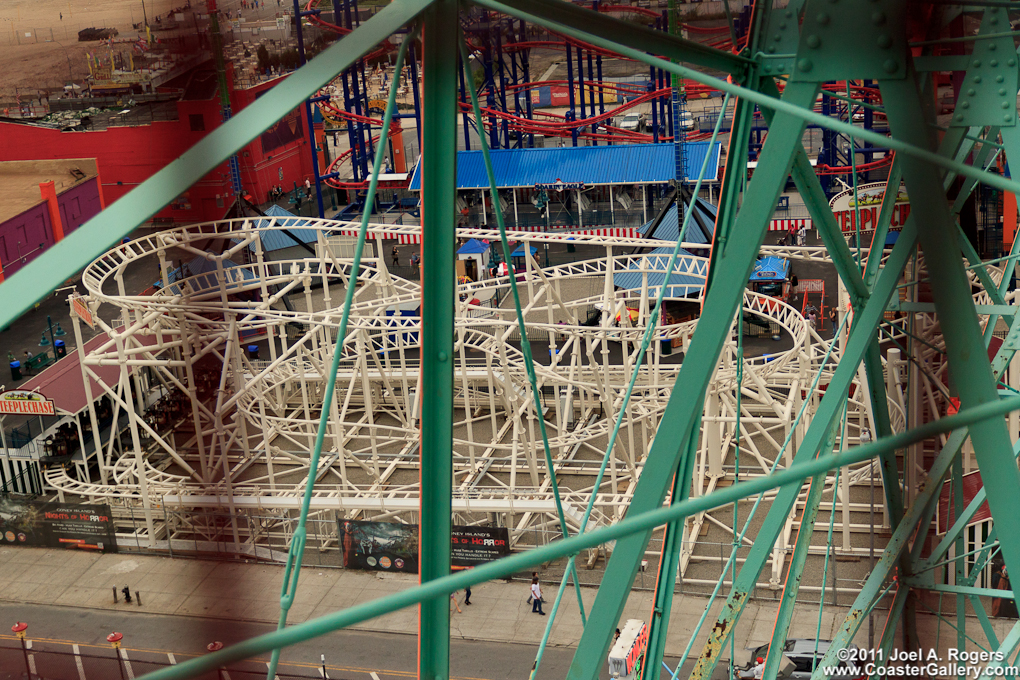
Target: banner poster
56 525
386 546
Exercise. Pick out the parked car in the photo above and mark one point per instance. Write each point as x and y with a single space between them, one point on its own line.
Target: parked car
632 121
686 121
803 656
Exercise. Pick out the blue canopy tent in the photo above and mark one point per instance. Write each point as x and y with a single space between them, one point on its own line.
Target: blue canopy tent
474 247
520 251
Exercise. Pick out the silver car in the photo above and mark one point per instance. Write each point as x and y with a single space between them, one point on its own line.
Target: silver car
802 655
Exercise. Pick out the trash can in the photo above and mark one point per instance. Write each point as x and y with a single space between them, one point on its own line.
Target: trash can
15 370
667 347
59 348
253 351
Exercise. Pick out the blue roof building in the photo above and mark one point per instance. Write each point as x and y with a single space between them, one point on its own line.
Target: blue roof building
588 165
678 285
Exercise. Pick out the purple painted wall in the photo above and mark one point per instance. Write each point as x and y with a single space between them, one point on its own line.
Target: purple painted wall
24 237
78 205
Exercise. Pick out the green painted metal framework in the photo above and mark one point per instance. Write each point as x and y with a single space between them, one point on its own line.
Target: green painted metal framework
797 48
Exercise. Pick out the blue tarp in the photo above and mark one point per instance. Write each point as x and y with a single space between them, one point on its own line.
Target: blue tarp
770 269
473 247
589 165
520 251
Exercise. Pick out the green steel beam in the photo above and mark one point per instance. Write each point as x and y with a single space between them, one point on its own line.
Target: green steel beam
968 361
861 337
736 259
921 584
794 573
439 238
52 268
1006 649
669 561
791 477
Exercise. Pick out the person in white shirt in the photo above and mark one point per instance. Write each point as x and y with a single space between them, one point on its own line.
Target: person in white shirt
536 597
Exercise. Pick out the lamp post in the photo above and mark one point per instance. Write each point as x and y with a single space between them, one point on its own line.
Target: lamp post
54 334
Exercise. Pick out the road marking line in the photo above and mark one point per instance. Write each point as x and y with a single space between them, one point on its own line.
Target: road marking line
78 663
375 676
173 659
127 664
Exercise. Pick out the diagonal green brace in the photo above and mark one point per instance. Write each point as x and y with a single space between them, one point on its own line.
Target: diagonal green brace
48 271
683 406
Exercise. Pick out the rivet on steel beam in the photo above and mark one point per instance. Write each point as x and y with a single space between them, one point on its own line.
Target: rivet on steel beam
977 79
964 105
878 18
782 26
998 79
823 18
771 49
1002 91
1011 62
813 41
1005 105
890 66
976 63
994 62
805 65
959 117
991 47
1007 118
777 37
884 41
789 14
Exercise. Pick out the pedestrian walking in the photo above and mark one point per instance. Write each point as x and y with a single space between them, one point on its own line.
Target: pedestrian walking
61 16
308 185
833 320
396 257
802 236
467 595
536 597
453 601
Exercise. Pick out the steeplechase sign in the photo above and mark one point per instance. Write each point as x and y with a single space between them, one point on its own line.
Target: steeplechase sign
23 402
870 197
80 308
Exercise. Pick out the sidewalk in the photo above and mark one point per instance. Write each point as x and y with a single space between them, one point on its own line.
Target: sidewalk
238 591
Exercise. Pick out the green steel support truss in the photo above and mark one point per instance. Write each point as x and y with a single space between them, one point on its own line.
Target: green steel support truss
880 53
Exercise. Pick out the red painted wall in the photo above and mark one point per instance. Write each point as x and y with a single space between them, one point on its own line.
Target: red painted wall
127 156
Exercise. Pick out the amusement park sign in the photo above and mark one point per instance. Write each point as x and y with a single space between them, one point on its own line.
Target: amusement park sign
24 402
870 198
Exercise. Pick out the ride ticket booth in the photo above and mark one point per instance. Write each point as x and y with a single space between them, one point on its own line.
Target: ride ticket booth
769 276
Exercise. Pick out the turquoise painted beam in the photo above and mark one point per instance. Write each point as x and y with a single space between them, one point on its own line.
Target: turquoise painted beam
684 405
954 303
861 337
439 218
49 271
791 477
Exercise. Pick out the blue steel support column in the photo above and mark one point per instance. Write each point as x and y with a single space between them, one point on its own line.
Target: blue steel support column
580 81
298 14
439 188
502 85
651 88
347 96
526 78
464 114
591 95
571 115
